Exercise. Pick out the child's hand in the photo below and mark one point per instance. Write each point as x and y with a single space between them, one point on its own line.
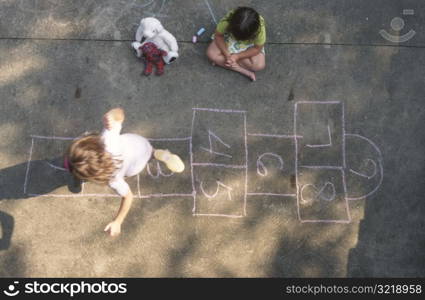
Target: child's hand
114 115
114 228
231 61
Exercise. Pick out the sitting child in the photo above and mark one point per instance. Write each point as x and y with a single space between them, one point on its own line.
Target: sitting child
239 41
110 157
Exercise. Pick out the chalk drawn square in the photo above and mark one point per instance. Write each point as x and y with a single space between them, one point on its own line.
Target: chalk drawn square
321 126
45 172
156 179
219 137
271 165
322 196
219 191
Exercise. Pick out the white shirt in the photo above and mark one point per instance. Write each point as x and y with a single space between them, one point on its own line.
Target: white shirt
134 152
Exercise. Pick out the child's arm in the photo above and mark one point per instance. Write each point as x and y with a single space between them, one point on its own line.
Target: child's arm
113 119
112 123
221 44
114 227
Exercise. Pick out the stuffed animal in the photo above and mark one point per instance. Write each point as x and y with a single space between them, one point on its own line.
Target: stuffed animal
151 30
153 56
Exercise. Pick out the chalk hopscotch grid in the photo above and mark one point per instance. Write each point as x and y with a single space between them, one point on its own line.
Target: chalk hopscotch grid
381 167
295 137
280 136
341 168
28 166
245 166
138 194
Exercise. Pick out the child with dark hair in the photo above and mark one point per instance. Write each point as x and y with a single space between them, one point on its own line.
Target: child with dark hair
239 41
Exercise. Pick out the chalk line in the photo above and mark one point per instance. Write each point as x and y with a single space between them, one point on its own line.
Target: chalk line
82 187
319 193
210 150
317 102
261 164
216 153
217 215
219 165
109 195
296 162
56 167
299 196
165 195
323 145
345 196
375 170
381 168
143 5
169 139
326 221
28 166
159 171
346 221
52 137
74 195
191 161
138 186
283 136
162 6
219 110
271 194
343 136
211 12
246 164
321 167
228 188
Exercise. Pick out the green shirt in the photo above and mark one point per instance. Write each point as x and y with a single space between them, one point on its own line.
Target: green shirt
259 40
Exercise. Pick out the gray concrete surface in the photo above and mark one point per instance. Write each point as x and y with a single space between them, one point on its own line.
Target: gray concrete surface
64 63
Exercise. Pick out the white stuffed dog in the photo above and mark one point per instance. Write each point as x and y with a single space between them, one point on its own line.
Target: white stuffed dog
151 30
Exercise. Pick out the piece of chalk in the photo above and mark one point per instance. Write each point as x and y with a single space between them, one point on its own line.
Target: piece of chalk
194 39
200 31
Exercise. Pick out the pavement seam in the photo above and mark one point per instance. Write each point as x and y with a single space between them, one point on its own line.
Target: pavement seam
205 42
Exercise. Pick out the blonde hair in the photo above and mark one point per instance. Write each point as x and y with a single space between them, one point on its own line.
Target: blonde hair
89 160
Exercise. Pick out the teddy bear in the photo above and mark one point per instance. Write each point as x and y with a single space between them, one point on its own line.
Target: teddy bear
153 56
151 30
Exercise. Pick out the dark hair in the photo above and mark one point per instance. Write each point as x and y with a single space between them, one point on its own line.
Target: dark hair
244 23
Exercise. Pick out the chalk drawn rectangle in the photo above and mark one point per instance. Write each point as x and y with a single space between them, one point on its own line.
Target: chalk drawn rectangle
219 137
271 165
45 172
322 196
156 178
321 126
219 191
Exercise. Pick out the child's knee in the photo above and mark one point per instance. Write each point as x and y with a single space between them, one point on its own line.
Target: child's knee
261 65
211 54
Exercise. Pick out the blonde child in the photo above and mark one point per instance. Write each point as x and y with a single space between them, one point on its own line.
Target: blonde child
109 157
238 43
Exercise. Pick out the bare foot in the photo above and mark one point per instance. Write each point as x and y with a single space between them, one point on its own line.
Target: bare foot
243 71
251 76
